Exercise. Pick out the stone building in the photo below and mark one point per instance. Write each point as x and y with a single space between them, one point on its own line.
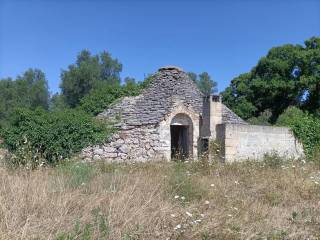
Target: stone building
171 118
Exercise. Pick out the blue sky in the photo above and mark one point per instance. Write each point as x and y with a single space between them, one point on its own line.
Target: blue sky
225 38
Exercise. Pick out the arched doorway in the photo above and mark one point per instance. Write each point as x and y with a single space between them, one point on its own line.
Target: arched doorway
181 131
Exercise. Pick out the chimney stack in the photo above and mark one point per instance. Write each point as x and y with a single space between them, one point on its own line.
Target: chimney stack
215 114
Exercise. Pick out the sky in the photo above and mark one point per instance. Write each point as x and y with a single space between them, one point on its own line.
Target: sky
222 37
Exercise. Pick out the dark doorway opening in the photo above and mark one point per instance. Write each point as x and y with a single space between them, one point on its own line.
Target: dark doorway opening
179 142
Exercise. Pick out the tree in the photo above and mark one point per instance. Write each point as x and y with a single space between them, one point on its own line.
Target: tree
57 103
29 90
130 82
204 82
288 76
34 87
86 73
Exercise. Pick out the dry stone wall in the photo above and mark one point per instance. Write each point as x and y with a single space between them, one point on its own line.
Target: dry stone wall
135 144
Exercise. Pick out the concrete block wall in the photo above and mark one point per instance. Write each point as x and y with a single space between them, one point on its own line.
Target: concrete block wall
243 142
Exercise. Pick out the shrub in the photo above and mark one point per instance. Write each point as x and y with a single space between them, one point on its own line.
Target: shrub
305 126
53 136
272 160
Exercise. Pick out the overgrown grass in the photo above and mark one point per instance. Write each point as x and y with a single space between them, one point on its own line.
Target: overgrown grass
190 200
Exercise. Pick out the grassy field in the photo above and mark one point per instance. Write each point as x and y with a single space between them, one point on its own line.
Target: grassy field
267 200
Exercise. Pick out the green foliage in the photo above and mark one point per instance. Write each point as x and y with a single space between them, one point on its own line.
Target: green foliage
273 160
205 83
100 98
305 126
58 103
86 73
288 76
30 90
263 119
53 135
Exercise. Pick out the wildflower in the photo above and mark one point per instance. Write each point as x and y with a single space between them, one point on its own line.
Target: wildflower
189 214
236 182
212 185
316 182
293 166
202 215
229 215
183 198
172 215
235 208
303 161
206 202
177 227
176 197
198 221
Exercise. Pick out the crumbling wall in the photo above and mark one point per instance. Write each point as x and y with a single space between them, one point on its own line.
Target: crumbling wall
135 144
145 142
242 142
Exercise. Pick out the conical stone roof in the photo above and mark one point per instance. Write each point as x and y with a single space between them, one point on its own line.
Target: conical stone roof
170 84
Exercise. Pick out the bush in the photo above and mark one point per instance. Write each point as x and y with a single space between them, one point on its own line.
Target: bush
52 136
305 127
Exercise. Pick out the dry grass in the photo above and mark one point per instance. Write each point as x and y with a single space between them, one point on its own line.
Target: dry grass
234 201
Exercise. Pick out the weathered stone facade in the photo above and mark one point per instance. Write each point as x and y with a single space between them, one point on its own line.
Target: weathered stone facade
170 117
243 142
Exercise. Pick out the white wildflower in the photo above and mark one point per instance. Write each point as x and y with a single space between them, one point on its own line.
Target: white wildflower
176 197
212 185
183 198
236 182
189 214
206 202
316 182
202 215
172 215
198 220
177 227
229 215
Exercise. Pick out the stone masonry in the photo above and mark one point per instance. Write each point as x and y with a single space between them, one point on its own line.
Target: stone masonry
173 114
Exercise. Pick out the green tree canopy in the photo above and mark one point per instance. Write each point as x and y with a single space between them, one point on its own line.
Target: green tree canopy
204 82
29 90
86 73
288 76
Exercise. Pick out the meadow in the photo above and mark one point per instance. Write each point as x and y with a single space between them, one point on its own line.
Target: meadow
177 200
